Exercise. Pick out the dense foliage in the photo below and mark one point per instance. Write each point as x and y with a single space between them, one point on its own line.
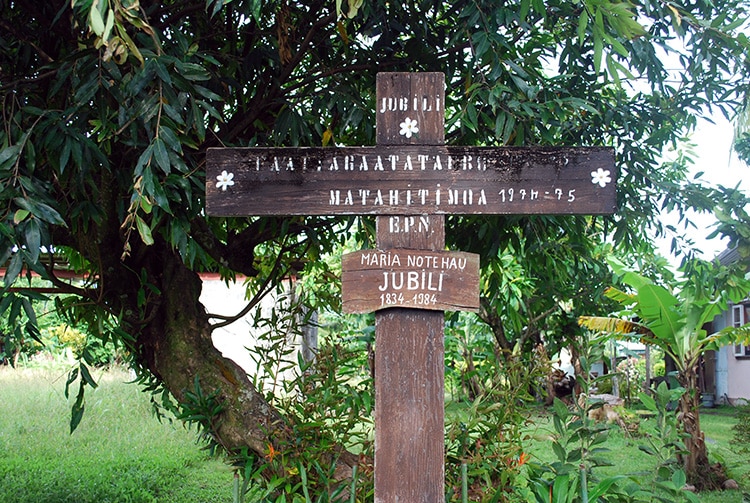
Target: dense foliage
109 106
675 322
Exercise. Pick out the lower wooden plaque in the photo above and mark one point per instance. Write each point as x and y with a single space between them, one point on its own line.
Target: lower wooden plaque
436 280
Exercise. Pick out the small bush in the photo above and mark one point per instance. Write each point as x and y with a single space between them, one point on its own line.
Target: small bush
742 428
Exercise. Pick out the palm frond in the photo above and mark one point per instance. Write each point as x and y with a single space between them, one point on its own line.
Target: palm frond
619 296
612 325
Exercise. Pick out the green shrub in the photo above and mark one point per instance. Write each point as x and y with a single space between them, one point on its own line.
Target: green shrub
742 428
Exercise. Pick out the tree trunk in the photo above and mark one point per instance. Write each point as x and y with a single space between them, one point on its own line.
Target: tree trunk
694 460
175 346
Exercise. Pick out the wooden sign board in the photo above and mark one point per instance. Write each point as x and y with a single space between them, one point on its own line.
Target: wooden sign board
372 280
410 180
418 97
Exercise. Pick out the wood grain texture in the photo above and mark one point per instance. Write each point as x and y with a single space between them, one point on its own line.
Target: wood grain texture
410 180
409 374
440 280
416 96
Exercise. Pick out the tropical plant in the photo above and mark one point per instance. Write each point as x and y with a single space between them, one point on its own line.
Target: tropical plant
578 443
676 322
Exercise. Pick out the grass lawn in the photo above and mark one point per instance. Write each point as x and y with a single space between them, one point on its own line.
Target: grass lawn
120 453
717 426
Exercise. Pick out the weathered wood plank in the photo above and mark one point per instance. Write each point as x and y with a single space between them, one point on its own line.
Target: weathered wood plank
418 97
409 386
411 180
439 280
409 346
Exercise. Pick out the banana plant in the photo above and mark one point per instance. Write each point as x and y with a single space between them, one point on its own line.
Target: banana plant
675 321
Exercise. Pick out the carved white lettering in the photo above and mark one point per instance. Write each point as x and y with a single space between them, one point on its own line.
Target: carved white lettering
381 259
406 197
416 103
393 197
335 198
364 194
365 162
412 281
452 196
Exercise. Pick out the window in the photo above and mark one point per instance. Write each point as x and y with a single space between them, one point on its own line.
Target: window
741 316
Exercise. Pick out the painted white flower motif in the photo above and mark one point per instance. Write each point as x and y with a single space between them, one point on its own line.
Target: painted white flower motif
601 176
225 180
408 128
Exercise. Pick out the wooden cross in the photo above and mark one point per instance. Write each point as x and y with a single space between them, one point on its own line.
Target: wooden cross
410 180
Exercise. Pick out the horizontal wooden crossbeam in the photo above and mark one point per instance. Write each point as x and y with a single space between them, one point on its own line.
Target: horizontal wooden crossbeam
410 180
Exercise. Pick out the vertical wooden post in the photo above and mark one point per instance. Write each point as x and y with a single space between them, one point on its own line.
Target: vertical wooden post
409 346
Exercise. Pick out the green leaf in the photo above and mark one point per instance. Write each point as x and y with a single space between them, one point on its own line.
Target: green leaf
29 310
9 154
33 237
648 402
525 8
602 487
657 308
598 50
583 22
354 6
72 376
77 410
256 8
170 139
561 410
560 488
13 269
162 72
471 113
161 155
679 479
559 451
86 376
20 215
144 230
109 24
96 23
193 72
647 449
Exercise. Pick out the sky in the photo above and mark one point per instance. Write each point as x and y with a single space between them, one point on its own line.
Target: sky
716 159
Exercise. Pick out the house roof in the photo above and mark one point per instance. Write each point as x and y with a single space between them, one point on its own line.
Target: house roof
729 256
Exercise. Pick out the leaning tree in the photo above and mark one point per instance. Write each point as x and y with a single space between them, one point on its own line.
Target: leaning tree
109 107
